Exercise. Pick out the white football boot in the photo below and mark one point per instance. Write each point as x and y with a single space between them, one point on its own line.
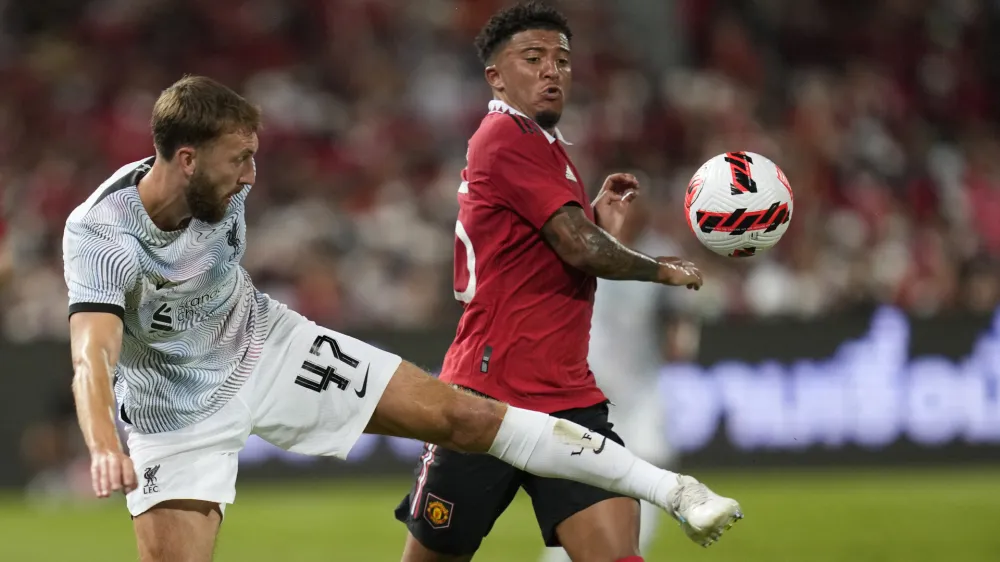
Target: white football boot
703 514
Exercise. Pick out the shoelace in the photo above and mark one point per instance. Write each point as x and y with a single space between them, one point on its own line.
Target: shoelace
694 495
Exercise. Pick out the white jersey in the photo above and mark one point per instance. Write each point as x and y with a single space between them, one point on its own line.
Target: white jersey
194 325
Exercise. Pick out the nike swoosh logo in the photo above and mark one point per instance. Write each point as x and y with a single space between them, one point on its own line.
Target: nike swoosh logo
600 449
364 389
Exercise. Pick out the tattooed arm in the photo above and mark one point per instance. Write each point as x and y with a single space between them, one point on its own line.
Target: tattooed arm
584 245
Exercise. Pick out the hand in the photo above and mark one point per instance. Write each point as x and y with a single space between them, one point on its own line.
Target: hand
111 471
611 204
678 272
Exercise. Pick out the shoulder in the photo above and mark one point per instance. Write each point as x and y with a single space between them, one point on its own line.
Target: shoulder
111 207
114 188
97 234
506 131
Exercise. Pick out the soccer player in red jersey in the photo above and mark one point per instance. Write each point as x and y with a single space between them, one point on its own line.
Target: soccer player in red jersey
529 249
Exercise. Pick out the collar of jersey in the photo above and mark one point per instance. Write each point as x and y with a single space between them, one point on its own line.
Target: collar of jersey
497 106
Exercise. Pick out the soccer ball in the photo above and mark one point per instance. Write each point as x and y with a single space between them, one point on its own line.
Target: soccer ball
738 204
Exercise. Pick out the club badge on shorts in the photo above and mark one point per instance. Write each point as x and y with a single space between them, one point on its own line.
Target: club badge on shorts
438 512
151 486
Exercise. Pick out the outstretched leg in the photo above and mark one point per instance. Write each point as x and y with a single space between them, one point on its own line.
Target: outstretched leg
418 406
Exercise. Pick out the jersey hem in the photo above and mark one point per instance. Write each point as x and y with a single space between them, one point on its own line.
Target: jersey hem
577 398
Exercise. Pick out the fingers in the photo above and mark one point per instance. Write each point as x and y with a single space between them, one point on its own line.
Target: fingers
112 472
115 472
686 273
129 481
624 179
698 280
101 472
621 182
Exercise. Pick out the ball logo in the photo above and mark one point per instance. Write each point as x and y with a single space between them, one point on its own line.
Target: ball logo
784 181
692 193
742 179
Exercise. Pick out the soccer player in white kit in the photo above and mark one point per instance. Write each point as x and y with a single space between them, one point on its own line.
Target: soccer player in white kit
627 340
162 311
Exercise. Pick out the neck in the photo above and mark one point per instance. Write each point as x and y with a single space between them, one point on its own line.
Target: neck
501 96
162 196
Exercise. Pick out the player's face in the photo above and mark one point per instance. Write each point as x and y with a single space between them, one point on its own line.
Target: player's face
533 73
223 168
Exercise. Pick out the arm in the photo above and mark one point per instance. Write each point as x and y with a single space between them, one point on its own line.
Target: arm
534 186
587 247
99 269
96 341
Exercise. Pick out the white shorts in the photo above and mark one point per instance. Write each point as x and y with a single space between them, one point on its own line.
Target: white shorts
313 392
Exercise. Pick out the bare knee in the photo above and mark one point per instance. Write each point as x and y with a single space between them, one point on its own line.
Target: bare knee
413 551
472 422
178 530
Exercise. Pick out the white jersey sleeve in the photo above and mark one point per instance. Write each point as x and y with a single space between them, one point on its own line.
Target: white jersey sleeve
100 265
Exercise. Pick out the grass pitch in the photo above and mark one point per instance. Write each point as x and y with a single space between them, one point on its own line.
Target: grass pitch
821 516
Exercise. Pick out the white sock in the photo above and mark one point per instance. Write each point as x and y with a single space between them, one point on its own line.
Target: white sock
557 448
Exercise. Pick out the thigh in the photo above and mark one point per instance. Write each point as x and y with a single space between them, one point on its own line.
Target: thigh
198 462
178 531
314 389
454 502
607 530
556 501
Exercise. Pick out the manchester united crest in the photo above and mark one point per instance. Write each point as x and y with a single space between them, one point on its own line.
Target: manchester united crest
438 512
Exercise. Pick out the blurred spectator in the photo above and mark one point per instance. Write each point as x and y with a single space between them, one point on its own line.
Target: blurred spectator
880 113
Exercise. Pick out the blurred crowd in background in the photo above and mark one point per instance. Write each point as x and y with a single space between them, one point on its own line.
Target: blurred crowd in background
881 113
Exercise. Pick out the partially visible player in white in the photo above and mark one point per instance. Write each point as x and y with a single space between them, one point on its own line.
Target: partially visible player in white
628 338
199 359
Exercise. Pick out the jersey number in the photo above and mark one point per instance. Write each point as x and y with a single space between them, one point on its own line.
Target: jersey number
327 374
469 292
470 264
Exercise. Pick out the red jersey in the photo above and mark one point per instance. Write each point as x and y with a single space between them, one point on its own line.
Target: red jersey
525 332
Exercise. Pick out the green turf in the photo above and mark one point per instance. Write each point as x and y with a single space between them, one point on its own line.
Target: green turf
909 516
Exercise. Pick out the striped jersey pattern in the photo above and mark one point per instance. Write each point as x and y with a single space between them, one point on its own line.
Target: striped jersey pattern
194 324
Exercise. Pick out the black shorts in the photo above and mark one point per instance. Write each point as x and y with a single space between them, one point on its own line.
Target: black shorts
458 496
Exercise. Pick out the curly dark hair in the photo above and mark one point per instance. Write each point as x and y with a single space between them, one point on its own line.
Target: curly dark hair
515 19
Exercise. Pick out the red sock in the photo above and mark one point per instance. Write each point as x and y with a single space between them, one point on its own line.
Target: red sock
631 559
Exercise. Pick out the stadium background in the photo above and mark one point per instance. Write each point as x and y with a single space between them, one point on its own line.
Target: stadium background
845 386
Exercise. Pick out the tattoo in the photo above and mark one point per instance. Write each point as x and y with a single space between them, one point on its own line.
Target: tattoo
589 248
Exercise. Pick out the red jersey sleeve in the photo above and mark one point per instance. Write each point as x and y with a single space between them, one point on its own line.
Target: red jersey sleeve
527 175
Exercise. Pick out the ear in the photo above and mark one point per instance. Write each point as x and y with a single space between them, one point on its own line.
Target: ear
493 78
187 158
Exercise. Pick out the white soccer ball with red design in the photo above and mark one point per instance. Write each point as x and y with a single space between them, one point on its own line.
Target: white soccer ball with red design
738 204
